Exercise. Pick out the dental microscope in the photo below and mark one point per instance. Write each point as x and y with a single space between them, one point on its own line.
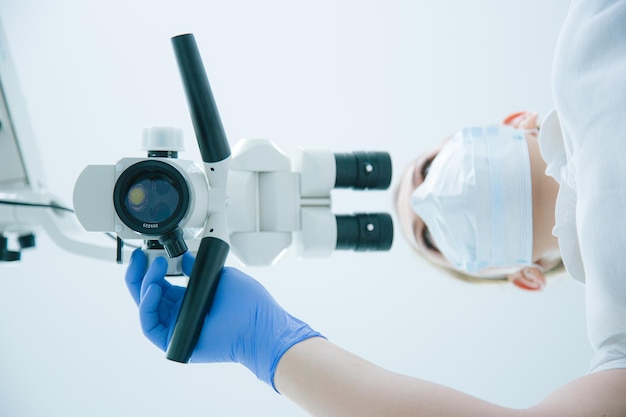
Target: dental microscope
254 201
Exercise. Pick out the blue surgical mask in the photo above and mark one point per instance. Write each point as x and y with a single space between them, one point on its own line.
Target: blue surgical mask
477 201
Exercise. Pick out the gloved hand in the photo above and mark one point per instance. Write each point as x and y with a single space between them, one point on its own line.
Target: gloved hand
245 324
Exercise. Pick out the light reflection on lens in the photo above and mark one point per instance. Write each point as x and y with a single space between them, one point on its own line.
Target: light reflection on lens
137 195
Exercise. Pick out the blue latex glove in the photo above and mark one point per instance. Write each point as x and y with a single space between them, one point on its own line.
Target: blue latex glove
245 324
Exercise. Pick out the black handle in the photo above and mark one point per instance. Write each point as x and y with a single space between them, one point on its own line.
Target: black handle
198 298
206 120
212 253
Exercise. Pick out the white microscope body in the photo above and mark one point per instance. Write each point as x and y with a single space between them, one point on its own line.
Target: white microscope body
273 202
254 201
270 202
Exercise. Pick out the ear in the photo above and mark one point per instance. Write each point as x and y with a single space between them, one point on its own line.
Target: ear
529 278
522 120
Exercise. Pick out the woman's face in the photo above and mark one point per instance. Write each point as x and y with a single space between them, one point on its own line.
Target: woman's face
411 224
416 231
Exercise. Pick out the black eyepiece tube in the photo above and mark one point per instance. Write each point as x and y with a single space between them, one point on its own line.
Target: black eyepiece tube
364 232
198 298
363 170
206 120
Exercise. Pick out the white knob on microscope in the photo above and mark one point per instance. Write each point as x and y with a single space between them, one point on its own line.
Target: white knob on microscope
162 138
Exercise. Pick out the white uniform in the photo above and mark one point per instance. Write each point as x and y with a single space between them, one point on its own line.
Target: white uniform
589 161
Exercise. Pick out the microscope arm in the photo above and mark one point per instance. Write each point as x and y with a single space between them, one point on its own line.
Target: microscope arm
25 212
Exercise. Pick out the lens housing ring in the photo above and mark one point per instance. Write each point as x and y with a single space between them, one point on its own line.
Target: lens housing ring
151 169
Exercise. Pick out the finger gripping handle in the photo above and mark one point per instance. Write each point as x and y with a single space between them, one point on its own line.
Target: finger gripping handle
198 298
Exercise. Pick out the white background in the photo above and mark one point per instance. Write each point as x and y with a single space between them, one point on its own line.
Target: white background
385 75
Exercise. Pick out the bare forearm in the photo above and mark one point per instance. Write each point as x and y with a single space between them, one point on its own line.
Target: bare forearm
326 380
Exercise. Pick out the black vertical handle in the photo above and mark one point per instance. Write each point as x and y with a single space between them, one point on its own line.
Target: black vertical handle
206 119
212 253
205 277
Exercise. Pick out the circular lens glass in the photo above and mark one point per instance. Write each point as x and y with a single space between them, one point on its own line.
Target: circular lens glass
151 197
152 200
